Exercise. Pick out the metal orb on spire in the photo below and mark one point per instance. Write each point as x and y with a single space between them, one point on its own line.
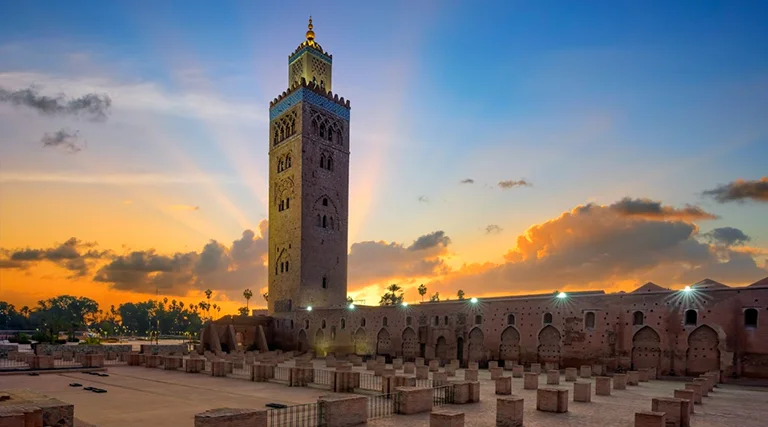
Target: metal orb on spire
310 33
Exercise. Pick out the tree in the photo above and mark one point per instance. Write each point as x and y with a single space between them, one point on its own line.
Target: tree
243 311
350 300
247 294
391 297
265 295
460 294
422 291
435 297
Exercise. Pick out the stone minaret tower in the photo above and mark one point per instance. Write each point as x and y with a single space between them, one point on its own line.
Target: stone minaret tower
308 186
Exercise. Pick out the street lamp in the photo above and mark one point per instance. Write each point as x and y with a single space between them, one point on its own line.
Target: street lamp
309 308
562 295
473 300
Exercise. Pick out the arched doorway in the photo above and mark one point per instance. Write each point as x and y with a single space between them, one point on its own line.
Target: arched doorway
383 343
410 345
441 349
476 348
361 346
646 349
510 344
549 345
460 350
303 344
321 346
703 354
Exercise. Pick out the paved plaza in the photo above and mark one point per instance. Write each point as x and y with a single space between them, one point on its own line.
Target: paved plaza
139 396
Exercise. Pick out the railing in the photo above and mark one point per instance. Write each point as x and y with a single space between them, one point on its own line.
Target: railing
370 382
307 415
243 371
383 405
61 363
282 373
423 382
113 362
323 376
442 395
10 365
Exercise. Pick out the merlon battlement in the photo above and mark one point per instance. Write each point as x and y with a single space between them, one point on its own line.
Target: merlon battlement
314 87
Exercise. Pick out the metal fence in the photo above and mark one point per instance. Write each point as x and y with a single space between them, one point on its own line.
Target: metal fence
443 395
323 376
282 373
383 405
307 415
423 382
370 382
243 370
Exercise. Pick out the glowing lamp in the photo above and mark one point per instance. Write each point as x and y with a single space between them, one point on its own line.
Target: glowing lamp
405 304
309 308
562 295
687 289
473 300
351 306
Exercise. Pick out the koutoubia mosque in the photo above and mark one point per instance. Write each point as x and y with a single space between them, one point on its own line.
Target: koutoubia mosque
708 326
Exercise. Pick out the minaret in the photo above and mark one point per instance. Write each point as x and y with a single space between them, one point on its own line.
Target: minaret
308 186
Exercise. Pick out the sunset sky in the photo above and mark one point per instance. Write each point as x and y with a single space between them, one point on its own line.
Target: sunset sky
498 147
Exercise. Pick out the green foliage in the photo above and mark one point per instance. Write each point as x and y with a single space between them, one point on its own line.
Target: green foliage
42 336
392 297
435 297
460 294
90 341
350 300
422 291
243 311
20 338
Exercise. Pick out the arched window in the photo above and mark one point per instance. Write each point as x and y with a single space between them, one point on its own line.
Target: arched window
322 83
287 202
362 322
331 224
314 126
445 320
343 323
638 318
589 320
437 320
322 324
510 319
280 165
325 282
275 140
282 267
322 160
478 319
322 130
547 318
275 268
750 318
286 265
384 321
306 324
408 321
325 201
333 333
287 161
691 318
291 324
325 222
330 133
319 221
330 164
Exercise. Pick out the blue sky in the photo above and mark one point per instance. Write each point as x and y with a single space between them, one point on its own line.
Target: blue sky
589 101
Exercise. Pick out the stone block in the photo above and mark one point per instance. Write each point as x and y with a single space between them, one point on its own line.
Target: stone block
22 415
439 378
474 391
688 395
330 362
340 366
381 360
218 368
582 391
134 359
152 361
422 372
378 369
414 400
434 365
397 363
603 386
194 365
571 374
172 363
496 373
370 364
677 413
470 374
419 361
43 362
709 382
348 381
389 372
597 370
460 392
262 372
552 400
493 364
450 370
696 389
93 361
585 371
531 381
643 376
509 411
409 368
509 364
300 377
620 382
551 366
455 363
518 371
553 377
633 378
12 417
536 368
652 374
650 419
446 418
504 385
231 417
343 410
704 385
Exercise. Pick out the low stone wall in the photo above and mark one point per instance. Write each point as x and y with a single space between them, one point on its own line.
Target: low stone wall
164 349
7 348
51 349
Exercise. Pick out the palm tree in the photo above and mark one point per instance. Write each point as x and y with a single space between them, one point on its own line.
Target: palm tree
391 297
247 294
460 294
422 291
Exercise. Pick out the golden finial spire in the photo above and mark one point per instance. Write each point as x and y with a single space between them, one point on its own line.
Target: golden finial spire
310 33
